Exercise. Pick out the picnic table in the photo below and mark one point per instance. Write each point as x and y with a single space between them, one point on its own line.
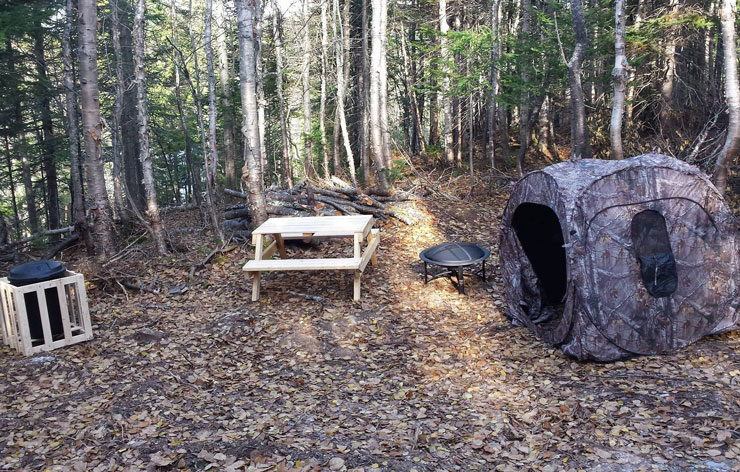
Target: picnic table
358 227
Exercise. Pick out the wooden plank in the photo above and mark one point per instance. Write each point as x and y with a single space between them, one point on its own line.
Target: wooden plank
369 251
255 286
356 296
349 263
358 240
5 312
20 306
271 249
258 242
62 295
84 309
281 245
334 225
45 321
70 278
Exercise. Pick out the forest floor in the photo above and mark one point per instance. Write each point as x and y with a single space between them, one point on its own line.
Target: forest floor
411 377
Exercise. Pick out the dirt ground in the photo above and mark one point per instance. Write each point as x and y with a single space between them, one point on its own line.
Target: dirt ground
411 377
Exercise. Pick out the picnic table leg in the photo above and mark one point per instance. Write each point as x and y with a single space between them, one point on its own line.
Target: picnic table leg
357 285
257 239
358 238
280 245
373 258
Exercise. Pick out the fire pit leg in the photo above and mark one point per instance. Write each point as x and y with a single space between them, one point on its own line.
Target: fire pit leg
425 273
460 280
484 271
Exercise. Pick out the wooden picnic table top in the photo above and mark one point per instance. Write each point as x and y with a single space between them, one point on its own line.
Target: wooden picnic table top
318 225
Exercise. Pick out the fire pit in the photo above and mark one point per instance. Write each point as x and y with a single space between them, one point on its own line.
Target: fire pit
455 257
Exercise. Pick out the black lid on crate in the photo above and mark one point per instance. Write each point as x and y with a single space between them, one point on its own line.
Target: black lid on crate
34 272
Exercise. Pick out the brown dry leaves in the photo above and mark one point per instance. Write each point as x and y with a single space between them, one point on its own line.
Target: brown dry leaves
412 377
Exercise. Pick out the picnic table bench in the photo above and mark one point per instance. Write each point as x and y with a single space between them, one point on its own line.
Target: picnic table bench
358 227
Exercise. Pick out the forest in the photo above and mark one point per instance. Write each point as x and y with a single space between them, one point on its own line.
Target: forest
114 110
143 142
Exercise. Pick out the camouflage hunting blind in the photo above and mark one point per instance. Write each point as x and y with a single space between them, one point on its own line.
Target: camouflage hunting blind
608 259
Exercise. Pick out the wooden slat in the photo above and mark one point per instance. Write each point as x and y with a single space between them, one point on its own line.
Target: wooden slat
348 263
84 309
20 306
326 225
271 249
370 250
45 321
62 294
5 312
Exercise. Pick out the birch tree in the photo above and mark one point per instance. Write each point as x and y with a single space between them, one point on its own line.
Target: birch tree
732 94
306 83
92 128
444 28
342 73
376 133
250 128
619 74
150 193
212 154
493 94
226 108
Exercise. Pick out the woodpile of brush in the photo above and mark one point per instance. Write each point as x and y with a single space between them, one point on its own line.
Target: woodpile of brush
309 200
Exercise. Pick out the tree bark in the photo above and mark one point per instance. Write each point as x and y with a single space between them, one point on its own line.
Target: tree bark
342 73
322 99
668 121
449 148
495 54
631 90
260 86
306 83
129 130
363 83
78 199
383 84
47 130
619 74
152 208
212 159
277 34
250 127
92 128
226 107
376 132
409 87
579 137
13 200
118 168
524 106
732 95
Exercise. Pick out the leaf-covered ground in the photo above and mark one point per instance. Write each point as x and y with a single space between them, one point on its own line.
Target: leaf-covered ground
412 377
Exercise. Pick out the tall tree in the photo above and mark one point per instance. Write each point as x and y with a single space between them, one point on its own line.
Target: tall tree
619 75
524 106
226 108
92 128
47 128
444 28
493 94
277 34
306 83
342 73
732 94
117 112
580 148
322 97
376 122
152 207
78 198
212 154
248 83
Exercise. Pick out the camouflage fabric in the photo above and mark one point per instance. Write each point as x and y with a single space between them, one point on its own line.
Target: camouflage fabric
607 311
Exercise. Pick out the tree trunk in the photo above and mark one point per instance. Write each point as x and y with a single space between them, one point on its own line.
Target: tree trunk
92 128
449 148
364 97
78 199
376 123
152 208
668 121
383 84
322 99
226 108
118 202
193 171
495 54
631 90
342 72
409 88
524 107
277 34
620 81
579 139
212 155
250 126
133 175
306 82
13 201
260 86
47 131
732 95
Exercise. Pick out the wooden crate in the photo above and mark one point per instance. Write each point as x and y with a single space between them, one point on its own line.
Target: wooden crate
75 316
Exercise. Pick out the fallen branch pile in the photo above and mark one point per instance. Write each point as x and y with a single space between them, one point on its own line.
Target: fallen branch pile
308 200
